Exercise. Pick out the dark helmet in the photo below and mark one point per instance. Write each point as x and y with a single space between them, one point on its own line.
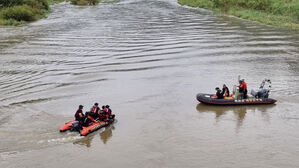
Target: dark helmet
107 106
96 104
217 88
80 106
103 107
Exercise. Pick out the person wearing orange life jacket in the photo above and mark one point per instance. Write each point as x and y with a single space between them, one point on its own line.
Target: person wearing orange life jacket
102 114
93 114
95 108
105 113
243 89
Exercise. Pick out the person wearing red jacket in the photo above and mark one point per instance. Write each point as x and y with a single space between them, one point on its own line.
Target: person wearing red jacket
95 108
94 111
243 89
101 114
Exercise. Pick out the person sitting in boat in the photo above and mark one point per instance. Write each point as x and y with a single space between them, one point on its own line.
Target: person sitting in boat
92 115
101 114
225 91
218 94
95 108
243 89
106 113
79 116
94 111
109 112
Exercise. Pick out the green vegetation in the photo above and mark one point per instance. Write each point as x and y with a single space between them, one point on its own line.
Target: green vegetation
274 12
16 12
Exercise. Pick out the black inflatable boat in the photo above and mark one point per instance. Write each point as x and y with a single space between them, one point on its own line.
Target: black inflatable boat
206 98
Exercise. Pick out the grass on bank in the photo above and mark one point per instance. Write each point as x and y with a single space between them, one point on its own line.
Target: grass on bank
273 12
16 12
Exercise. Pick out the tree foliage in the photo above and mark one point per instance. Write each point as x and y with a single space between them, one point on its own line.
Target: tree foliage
10 3
22 10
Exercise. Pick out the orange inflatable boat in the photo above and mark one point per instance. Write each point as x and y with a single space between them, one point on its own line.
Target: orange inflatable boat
66 126
93 127
86 130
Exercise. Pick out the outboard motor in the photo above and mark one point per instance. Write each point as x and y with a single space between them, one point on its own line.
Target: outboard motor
264 89
75 126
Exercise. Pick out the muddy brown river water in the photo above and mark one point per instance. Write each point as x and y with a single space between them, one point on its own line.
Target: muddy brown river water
148 59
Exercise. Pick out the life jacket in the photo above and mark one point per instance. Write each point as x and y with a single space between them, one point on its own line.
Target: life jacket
241 87
105 113
94 109
245 85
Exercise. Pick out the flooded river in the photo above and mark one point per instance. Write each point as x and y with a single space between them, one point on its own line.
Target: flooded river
147 59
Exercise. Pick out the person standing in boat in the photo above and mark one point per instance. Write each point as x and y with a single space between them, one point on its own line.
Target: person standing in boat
225 91
243 89
218 94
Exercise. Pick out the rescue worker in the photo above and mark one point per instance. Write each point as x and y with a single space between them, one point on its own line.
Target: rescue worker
94 111
102 114
105 113
95 108
225 91
79 116
109 113
243 89
218 94
103 107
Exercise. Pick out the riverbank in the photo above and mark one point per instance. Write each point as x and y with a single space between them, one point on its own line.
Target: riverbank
20 12
283 13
